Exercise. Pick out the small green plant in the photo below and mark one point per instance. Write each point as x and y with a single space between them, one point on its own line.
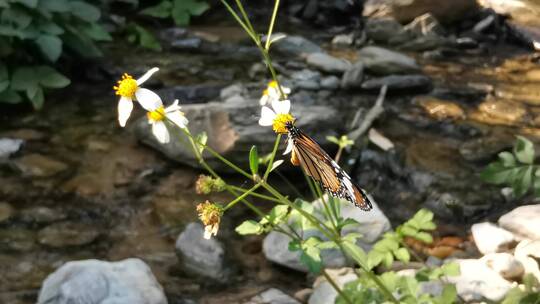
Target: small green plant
180 11
33 36
530 294
515 169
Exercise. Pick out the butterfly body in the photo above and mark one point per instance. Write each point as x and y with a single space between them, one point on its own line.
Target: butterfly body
322 168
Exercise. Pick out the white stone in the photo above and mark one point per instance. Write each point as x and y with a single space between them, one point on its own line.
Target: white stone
490 238
528 253
523 221
505 264
273 296
9 146
478 282
128 281
384 62
323 292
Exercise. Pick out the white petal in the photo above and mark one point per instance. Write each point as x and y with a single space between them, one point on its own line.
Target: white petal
173 107
148 99
264 100
147 75
207 233
177 118
160 132
125 106
286 90
281 107
289 147
267 117
273 93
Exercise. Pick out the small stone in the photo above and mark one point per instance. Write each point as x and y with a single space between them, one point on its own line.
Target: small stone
328 63
446 12
6 211
17 239
273 296
323 292
187 44
500 112
440 109
306 79
505 264
523 221
528 253
232 90
66 234
9 146
424 43
382 30
303 295
343 40
425 24
330 83
94 281
477 282
37 165
200 256
489 238
466 43
398 82
295 46
484 24
385 62
353 77
41 215
485 148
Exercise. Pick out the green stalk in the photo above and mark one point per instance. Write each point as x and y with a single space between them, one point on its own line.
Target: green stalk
336 287
271 27
255 194
272 156
241 197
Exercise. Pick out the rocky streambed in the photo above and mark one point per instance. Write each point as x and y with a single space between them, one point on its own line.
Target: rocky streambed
74 186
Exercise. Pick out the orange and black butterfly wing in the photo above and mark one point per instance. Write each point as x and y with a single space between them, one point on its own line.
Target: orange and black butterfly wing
322 168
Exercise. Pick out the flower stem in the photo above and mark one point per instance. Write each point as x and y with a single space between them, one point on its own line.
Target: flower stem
271 27
272 156
255 194
241 197
336 287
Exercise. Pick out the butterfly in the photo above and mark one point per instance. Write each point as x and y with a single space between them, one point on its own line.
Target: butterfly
306 153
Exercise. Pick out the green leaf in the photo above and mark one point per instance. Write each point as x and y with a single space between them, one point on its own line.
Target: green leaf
424 237
56 6
16 16
83 45
402 254
35 94
276 215
10 96
147 39
356 253
351 237
347 222
4 77
311 255
388 259
450 269
28 3
327 245
183 9
386 245
507 159
198 8
96 32
524 150
522 181
249 227
448 295
23 78
50 46
374 258
161 10
49 27
496 173
50 78
407 230
254 160
333 139
84 11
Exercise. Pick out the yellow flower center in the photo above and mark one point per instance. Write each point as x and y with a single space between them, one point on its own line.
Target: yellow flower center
126 87
273 84
265 92
156 115
280 122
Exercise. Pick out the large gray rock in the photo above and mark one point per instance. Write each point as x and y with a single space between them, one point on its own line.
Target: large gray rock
490 238
478 282
296 46
387 31
445 11
353 77
324 292
232 130
523 221
398 82
272 296
128 281
382 61
200 256
372 225
328 63
505 264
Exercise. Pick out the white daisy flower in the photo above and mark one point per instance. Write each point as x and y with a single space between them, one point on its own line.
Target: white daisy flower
272 93
129 89
278 116
157 115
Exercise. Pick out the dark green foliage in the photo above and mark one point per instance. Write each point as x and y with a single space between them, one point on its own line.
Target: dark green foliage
179 10
516 169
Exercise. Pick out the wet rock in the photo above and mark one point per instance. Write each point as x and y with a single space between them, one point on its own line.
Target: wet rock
66 234
94 281
466 43
200 256
232 90
446 12
484 24
323 292
505 264
353 77
25 134
386 31
6 211
9 146
327 63
17 239
296 46
191 94
523 221
343 40
273 296
478 282
399 82
232 130
37 165
440 109
372 225
330 83
528 253
306 79
500 112
426 24
424 43
41 215
485 148
381 61
187 44
489 238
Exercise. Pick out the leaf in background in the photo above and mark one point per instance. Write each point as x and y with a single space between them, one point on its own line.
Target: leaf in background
524 150
276 215
507 159
28 3
496 173
249 227
10 96
161 10
201 140
333 139
56 6
254 160
424 237
147 39
49 27
17 16
402 254
23 78
4 77
50 78
276 164
448 295
183 9
50 46
35 94
450 269
311 255
96 32
81 44
84 11
522 181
